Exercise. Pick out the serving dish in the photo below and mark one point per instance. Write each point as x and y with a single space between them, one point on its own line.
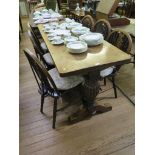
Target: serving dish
73 25
77 47
54 38
57 42
70 39
92 39
80 30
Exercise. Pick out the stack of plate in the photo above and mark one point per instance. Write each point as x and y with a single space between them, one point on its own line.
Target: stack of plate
77 47
70 39
80 30
92 39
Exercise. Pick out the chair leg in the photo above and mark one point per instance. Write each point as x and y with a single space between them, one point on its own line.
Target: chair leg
105 81
42 103
54 112
114 86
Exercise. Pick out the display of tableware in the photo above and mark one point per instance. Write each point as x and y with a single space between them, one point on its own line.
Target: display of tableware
37 17
73 25
66 35
70 39
51 11
49 29
80 30
54 24
57 42
51 35
46 16
37 13
41 21
63 25
68 20
92 39
54 38
60 32
77 47
44 11
46 28
56 15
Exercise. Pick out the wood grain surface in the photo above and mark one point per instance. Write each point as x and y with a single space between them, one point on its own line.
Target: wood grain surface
96 58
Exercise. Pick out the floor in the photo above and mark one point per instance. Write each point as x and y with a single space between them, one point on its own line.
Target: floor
111 133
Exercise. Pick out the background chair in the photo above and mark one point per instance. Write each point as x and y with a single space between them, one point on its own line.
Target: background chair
102 26
40 53
130 9
123 41
88 21
38 38
31 4
50 83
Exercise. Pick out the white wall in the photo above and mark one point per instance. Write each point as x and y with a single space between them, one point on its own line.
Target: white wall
23 11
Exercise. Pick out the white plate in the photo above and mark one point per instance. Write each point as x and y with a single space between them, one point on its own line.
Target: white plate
62 32
68 20
37 13
51 34
42 21
54 38
70 39
92 39
80 30
44 11
37 18
73 25
57 42
77 47
46 16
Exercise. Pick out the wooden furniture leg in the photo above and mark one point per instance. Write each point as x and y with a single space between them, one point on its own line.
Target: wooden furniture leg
90 90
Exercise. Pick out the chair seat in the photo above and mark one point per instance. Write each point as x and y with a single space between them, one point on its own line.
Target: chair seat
65 83
106 71
44 47
47 57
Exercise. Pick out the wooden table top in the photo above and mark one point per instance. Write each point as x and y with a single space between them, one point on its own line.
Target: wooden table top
128 28
96 58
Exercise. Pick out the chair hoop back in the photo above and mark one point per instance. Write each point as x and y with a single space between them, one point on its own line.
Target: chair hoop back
88 21
121 40
37 48
102 26
34 35
44 80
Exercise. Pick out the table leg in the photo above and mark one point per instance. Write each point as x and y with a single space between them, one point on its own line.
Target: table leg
90 90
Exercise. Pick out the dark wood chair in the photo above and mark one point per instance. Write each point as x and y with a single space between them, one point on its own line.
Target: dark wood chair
123 41
50 83
88 21
102 26
44 57
130 9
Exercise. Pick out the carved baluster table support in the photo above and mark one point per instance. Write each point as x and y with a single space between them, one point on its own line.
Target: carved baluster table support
90 90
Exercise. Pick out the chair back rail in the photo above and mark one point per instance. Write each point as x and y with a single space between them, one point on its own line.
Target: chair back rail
37 48
121 40
88 21
102 26
44 80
